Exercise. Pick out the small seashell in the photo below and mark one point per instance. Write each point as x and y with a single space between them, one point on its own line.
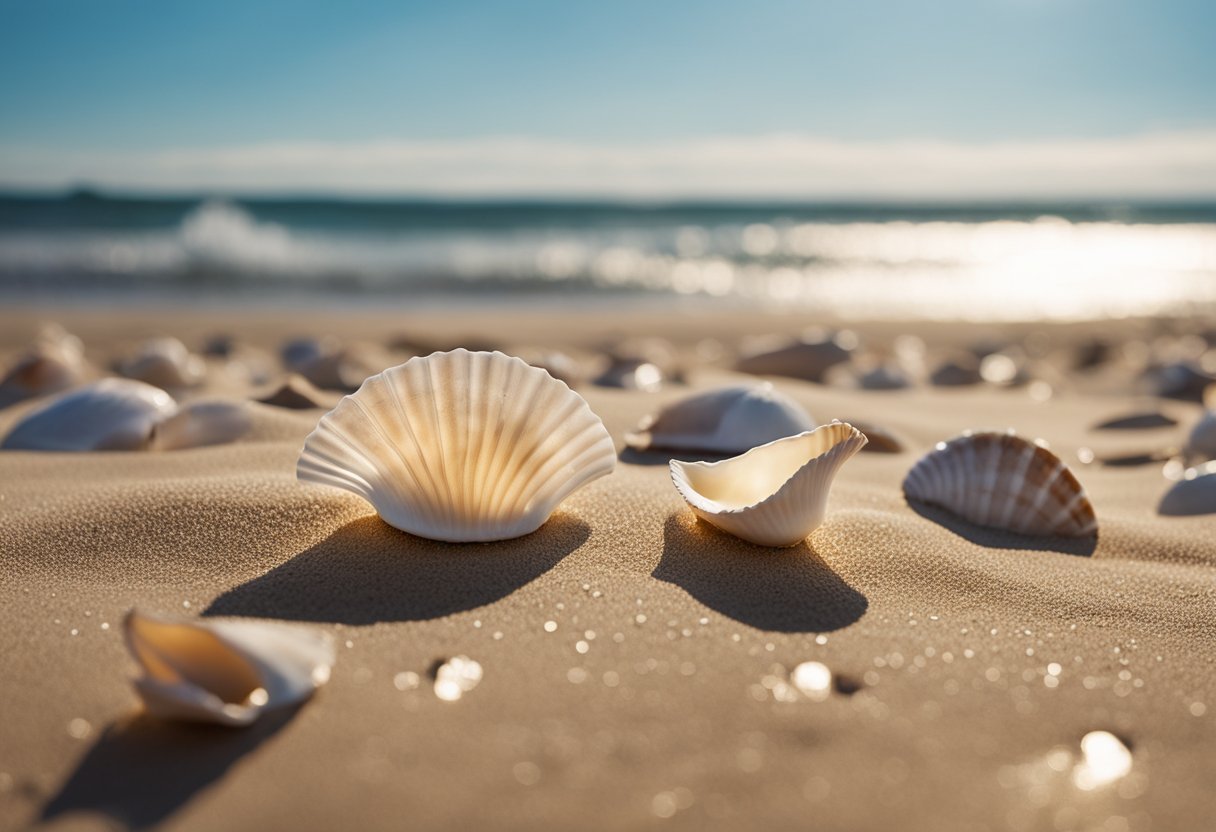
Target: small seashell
202 423
884 376
1201 442
297 393
52 364
773 495
1002 481
1195 493
224 671
164 362
808 358
113 414
730 420
329 365
460 446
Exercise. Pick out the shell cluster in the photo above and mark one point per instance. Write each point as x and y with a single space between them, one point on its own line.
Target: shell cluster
460 446
773 495
1002 481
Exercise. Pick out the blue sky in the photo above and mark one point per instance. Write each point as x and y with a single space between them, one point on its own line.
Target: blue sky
88 89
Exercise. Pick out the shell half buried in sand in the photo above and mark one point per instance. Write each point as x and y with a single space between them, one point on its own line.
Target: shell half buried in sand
999 480
460 446
729 420
224 671
773 495
1195 493
114 414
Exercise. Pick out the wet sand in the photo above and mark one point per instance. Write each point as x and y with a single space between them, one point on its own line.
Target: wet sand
969 663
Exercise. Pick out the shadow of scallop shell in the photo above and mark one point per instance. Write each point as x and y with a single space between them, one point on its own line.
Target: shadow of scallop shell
1195 493
164 362
773 495
227 672
729 420
114 414
1002 481
460 446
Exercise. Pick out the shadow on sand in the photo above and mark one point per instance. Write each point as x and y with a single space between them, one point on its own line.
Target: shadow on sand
632 456
141 770
367 571
783 590
1000 539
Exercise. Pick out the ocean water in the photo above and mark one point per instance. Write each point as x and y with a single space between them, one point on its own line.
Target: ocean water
979 262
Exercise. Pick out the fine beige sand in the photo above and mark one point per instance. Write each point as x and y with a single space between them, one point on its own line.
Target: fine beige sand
945 716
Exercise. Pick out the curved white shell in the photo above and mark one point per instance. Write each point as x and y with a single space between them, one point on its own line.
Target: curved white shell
111 414
1195 493
224 671
202 423
1002 481
729 420
773 495
164 362
460 446
1201 443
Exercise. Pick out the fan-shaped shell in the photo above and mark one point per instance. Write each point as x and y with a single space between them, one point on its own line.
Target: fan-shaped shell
460 446
1005 482
108 415
1195 493
164 362
773 495
729 420
228 672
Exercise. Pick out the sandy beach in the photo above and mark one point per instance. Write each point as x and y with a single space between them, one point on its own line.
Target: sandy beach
636 662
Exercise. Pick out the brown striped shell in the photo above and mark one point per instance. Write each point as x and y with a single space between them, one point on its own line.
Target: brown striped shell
1002 481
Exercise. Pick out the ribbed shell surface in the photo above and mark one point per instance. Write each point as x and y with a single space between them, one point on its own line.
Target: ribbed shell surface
460 446
774 516
1002 481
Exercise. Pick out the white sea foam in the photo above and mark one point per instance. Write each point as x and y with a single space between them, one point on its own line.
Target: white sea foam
1046 267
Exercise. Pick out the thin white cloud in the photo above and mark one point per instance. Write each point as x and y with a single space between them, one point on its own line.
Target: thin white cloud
1177 164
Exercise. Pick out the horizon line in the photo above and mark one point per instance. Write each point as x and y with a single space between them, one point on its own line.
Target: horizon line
770 167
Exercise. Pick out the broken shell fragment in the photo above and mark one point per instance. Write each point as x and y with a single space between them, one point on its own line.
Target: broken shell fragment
224 671
729 420
1002 481
773 495
114 414
460 446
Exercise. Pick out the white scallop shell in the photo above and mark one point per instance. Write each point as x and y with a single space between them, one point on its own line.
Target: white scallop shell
202 423
729 420
107 415
1195 493
224 671
1002 481
164 362
773 495
460 446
